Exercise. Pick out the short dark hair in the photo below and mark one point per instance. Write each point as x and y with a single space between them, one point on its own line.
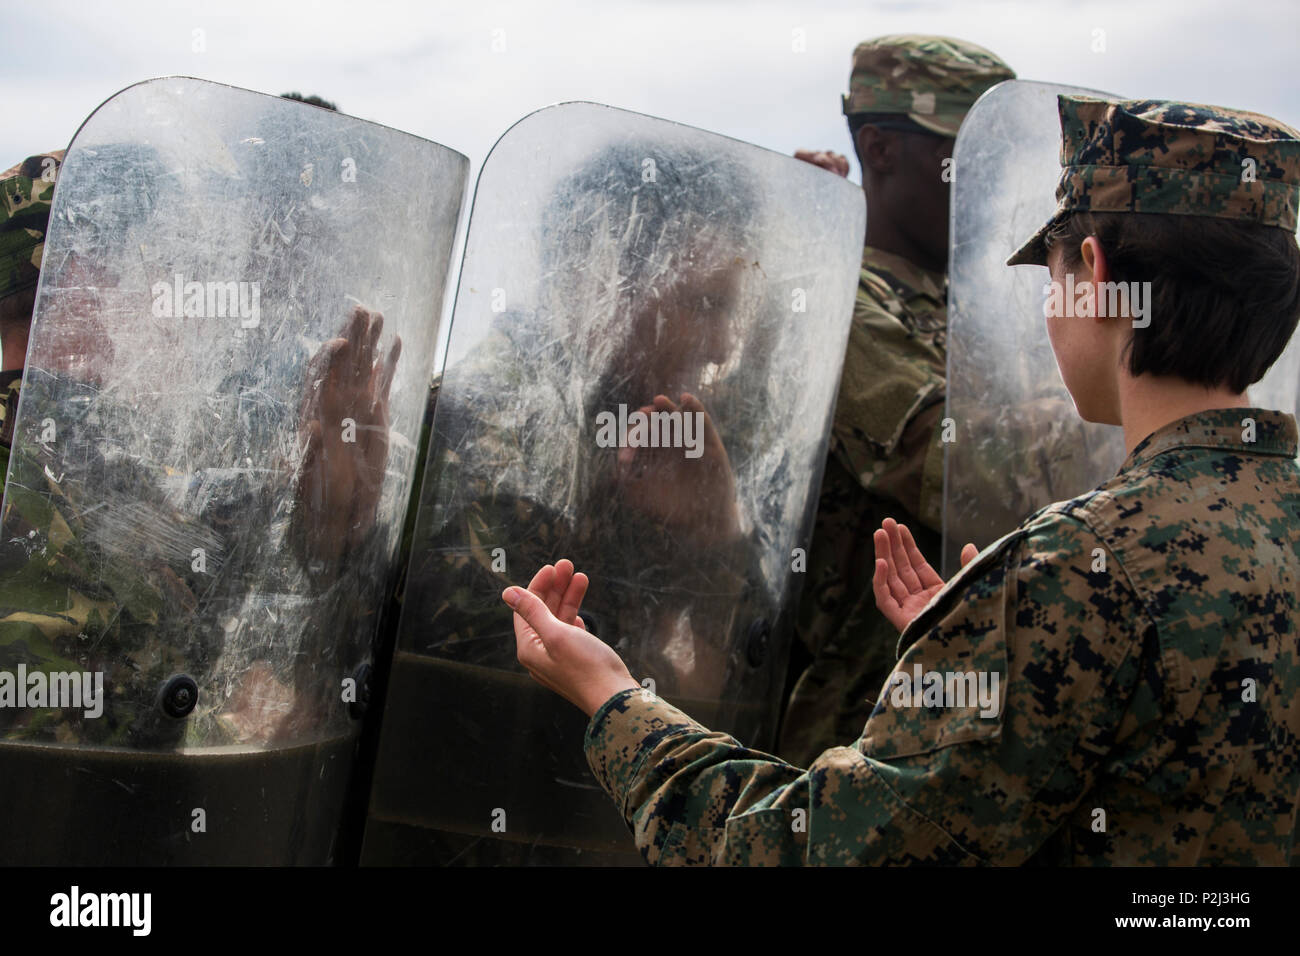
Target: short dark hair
1225 295
312 100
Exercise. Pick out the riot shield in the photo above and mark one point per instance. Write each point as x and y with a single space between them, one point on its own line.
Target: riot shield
215 447
612 258
1014 441
1017 443
1280 386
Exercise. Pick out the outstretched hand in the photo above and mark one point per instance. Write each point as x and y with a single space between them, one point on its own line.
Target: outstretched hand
904 582
553 644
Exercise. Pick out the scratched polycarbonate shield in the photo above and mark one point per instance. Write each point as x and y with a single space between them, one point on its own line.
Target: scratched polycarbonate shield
1014 440
1280 386
167 524
612 258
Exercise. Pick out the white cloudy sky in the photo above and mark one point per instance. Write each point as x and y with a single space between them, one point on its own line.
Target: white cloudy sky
724 65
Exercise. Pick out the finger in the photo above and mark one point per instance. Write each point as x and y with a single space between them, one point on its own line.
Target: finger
389 370
693 405
559 585
541 581
364 356
968 554
627 454
924 573
571 603
885 554
376 332
885 600
354 329
339 371
902 565
533 611
320 370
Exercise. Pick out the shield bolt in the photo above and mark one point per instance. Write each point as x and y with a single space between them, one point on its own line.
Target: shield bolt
179 696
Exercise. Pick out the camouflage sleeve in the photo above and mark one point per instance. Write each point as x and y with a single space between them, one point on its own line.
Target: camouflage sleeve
1052 649
888 410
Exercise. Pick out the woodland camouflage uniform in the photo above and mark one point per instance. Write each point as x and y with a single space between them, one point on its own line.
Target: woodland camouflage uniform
886 452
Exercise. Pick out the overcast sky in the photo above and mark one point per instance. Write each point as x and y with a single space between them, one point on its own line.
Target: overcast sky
723 65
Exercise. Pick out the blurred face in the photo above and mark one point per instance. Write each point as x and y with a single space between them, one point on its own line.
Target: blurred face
692 321
76 337
1087 349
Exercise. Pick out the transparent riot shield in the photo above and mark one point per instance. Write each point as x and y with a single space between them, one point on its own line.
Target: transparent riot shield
1014 441
1280 386
612 258
215 447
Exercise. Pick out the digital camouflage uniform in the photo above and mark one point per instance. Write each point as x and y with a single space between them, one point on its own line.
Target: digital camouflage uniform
886 453
1144 633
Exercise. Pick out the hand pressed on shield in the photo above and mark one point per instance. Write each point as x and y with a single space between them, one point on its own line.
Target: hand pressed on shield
553 644
343 430
694 496
904 582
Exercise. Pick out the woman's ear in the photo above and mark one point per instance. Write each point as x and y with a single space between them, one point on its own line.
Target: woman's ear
1094 261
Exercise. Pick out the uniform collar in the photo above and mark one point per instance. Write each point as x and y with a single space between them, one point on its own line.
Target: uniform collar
904 276
1224 429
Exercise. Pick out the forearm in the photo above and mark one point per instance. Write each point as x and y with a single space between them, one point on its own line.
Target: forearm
692 796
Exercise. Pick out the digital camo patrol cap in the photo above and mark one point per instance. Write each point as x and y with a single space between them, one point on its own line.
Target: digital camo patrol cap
1155 156
934 81
26 192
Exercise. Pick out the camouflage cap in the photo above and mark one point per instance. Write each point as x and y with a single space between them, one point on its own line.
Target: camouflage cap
1155 156
934 81
26 193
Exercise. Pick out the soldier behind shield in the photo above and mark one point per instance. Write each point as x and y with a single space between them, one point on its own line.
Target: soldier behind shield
96 586
907 97
647 283
1115 681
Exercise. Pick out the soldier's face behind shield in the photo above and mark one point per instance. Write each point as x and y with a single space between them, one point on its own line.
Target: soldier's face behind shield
82 323
648 268
904 175
691 323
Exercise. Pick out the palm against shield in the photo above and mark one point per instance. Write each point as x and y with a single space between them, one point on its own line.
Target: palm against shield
343 431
